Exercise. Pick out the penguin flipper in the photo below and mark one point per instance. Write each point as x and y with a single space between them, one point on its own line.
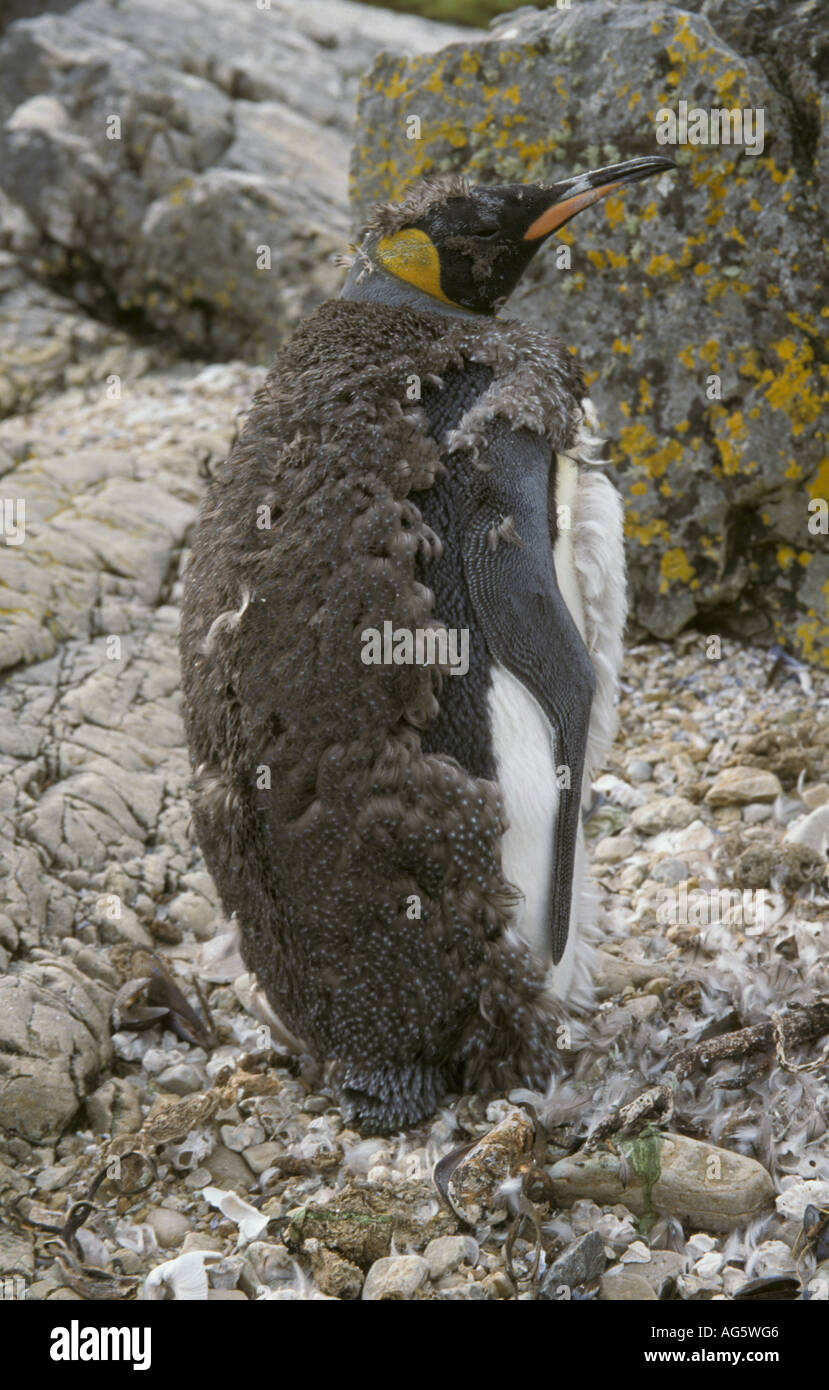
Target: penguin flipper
526 624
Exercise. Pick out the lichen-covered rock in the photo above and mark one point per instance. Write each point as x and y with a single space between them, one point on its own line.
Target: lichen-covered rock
693 304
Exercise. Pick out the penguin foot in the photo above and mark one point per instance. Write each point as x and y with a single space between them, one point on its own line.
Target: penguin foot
383 1099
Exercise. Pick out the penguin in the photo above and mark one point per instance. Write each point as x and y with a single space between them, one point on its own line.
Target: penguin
401 636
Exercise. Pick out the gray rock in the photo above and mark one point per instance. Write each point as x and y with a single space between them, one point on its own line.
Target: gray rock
170 1226
712 1188
613 974
394 1278
228 1169
182 1079
637 770
445 1253
739 786
665 813
114 1108
624 1286
17 1256
583 1260
212 148
661 1271
54 1039
670 871
572 88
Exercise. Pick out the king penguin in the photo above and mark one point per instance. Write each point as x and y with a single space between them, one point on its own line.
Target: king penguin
396 829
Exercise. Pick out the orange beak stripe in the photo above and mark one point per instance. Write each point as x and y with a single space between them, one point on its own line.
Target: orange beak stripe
560 213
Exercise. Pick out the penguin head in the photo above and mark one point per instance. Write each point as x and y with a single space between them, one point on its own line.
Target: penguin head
468 245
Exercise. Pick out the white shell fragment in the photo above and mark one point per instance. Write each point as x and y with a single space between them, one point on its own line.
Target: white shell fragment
252 1224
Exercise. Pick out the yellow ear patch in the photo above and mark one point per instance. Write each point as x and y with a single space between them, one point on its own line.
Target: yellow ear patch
411 255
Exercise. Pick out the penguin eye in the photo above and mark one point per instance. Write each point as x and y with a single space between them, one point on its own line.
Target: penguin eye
486 233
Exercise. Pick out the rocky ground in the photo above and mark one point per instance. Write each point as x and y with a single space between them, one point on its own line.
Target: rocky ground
219 1165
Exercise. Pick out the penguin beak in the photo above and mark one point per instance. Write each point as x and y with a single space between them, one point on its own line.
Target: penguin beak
572 195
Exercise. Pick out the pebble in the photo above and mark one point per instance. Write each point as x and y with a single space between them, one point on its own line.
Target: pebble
625 1287
756 812
614 974
739 786
260 1157
613 849
445 1253
228 1169
812 831
170 1226
817 795
642 1008
637 770
665 813
670 871
582 1261
182 1079
771 1257
396 1277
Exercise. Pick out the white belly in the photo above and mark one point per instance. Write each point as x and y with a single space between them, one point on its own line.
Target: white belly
523 745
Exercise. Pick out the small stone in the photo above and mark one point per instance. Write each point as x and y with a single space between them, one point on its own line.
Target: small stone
637 770
243 1136
695 838
613 849
226 1296
812 797
812 831
262 1156
666 813
397 1277
55 1177
170 1226
772 1257
739 786
583 1260
692 1288
670 871
114 1108
182 1079
756 812
333 1275
662 1270
200 1240
643 1007
191 910
17 1257
228 1169
498 1285
614 974
707 1266
625 1287
445 1253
